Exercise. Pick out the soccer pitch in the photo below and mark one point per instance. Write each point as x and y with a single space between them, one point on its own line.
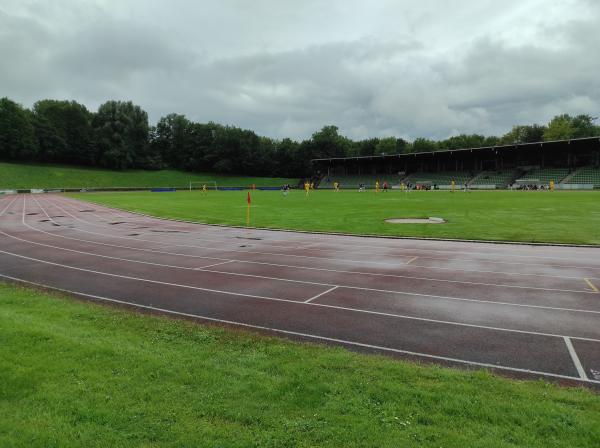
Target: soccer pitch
524 216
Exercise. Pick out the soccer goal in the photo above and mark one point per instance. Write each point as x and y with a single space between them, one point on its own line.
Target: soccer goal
199 184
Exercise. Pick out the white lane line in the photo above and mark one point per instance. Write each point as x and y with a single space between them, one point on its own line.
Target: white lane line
210 265
411 260
307 335
204 269
575 359
385 244
322 294
597 268
583 291
197 288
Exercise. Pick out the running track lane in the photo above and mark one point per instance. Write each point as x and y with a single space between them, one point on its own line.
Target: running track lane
523 310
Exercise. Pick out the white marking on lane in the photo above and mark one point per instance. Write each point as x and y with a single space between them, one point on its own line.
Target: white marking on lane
306 335
583 291
487 302
214 264
405 256
322 294
400 316
204 269
575 358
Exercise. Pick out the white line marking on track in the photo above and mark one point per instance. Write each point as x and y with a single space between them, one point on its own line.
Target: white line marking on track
584 291
306 335
487 302
411 260
211 265
406 256
197 288
575 358
204 269
322 294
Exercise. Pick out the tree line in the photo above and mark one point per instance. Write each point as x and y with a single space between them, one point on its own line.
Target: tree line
119 136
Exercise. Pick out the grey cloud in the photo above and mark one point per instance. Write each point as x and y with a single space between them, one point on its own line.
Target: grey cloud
390 69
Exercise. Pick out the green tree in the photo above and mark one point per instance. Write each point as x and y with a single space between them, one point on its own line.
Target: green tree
64 131
122 133
17 135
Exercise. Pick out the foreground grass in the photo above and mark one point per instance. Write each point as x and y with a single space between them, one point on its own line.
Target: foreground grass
562 217
78 374
17 176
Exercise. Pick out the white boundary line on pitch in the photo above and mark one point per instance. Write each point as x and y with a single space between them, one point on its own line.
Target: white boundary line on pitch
301 303
306 335
204 269
201 268
582 291
596 268
322 294
487 253
575 358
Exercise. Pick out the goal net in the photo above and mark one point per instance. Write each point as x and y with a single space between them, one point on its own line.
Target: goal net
199 184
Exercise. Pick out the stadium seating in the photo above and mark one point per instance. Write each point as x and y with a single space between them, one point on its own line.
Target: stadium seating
545 175
440 178
586 175
499 178
351 181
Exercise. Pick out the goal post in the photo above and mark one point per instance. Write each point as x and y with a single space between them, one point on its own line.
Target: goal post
198 184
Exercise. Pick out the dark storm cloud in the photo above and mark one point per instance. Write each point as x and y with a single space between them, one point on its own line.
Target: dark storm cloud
372 68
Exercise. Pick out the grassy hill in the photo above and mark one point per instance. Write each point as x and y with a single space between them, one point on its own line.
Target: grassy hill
15 176
79 374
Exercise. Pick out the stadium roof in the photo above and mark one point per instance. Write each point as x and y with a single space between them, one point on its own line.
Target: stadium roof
481 148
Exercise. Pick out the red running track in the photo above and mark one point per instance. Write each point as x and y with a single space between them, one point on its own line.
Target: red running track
518 309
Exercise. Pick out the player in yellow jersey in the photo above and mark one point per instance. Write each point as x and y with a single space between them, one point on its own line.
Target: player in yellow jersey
453 185
204 189
306 187
336 186
376 186
551 185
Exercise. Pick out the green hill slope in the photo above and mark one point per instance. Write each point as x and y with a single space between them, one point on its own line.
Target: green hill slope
16 176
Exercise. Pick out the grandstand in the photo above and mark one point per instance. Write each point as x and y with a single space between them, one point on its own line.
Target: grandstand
495 178
573 164
351 181
587 175
439 178
545 175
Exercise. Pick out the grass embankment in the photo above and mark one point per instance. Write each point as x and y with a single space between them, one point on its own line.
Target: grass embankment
79 374
22 176
561 217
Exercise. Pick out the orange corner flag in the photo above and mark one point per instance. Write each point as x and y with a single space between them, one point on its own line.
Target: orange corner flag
249 200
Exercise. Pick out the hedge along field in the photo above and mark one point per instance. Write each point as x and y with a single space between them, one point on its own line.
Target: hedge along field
78 374
22 176
525 216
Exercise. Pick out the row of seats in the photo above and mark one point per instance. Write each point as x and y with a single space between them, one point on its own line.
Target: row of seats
586 175
499 178
355 180
545 175
439 178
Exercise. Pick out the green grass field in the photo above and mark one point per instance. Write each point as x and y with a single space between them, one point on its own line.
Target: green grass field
561 217
78 374
24 176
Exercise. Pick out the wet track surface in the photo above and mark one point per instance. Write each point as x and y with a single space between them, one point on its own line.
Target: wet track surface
523 310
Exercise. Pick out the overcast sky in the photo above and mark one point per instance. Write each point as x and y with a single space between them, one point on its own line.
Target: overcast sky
283 68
